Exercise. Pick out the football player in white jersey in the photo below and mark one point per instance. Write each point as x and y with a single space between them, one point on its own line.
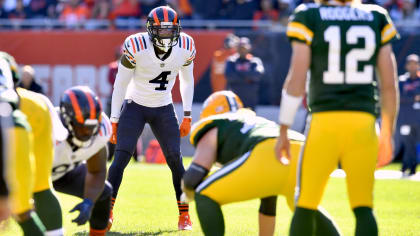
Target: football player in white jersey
142 94
79 167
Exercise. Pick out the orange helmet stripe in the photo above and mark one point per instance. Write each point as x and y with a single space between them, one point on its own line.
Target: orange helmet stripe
91 105
76 107
165 14
155 18
175 18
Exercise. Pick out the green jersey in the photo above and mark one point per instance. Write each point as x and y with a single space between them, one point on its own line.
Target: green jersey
345 41
237 133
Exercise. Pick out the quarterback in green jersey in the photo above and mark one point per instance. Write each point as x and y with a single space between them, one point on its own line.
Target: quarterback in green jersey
242 143
341 43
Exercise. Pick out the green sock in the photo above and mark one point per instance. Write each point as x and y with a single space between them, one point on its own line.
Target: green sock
210 216
48 209
365 222
303 222
32 226
325 226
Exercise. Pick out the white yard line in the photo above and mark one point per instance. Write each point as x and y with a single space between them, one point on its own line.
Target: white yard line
381 174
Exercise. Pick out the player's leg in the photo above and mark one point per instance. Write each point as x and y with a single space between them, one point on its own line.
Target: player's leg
210 215
267 215
416 157
410 149
165 127
73 183
130 126
256 174
325 226
46 203
318 159
20 178
359 162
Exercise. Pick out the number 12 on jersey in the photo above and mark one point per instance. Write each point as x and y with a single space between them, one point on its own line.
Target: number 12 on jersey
161 79
351 75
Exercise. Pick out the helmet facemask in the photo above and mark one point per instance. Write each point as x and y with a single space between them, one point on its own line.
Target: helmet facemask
81 134
165 35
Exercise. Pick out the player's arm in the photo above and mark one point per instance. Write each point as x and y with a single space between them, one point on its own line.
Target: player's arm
96 174
94 185
292 94
204 157
186 87
388 84
122 79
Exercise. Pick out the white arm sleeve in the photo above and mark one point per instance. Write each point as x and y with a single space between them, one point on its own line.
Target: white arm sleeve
186 86
122 79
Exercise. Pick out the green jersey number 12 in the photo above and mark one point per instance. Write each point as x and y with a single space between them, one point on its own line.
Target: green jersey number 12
351 75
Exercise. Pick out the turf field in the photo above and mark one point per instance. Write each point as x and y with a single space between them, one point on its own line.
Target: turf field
146 206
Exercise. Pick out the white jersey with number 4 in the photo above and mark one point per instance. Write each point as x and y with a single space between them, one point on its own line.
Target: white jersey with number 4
153 78
65 159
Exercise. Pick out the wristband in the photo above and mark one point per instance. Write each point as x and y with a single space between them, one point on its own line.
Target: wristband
187 114
114 119
288 108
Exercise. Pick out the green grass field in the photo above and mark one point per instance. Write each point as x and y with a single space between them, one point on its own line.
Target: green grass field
146 206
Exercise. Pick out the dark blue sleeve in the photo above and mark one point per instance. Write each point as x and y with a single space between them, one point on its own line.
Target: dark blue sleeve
231 74
255 73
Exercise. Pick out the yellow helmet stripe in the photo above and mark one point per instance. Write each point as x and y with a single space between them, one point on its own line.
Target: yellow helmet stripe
233 105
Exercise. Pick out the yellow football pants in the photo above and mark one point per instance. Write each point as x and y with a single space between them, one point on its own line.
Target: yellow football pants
256 174
345 137
20 172
38 116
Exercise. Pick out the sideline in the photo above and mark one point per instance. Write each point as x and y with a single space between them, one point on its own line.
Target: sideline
381 174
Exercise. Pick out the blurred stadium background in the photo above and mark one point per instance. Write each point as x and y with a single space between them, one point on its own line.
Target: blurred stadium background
72 42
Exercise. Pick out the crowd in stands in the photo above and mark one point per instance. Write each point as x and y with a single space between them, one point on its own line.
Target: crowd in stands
72 12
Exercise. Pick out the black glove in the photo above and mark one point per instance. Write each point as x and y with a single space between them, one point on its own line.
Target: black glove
85 209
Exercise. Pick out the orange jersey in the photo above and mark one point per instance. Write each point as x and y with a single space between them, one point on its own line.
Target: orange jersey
75 14
217 79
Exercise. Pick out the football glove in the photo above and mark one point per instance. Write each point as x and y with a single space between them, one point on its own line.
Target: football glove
85 210
185 127
113 138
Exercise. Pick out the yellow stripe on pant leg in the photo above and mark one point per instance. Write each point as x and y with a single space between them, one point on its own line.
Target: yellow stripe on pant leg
20 173
359 158
255 175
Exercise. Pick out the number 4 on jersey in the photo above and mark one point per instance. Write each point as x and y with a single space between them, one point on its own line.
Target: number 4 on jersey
162 80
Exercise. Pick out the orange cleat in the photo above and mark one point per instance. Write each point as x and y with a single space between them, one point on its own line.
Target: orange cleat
97 232
110 221
184 222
